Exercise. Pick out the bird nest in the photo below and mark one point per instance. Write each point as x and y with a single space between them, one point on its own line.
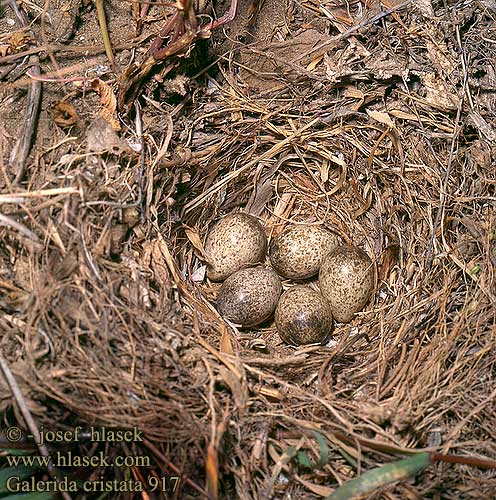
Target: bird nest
377 122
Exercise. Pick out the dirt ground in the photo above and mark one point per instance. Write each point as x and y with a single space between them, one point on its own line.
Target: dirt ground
377 120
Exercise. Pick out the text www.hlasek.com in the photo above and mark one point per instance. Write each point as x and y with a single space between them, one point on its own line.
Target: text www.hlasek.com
68 459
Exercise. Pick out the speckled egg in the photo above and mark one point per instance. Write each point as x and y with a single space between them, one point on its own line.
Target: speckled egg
346 281
303 317
249 296
298 251
234 242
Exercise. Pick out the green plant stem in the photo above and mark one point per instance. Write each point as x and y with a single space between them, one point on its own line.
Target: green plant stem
102 21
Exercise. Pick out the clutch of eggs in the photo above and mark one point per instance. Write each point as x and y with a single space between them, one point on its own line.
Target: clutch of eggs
249 295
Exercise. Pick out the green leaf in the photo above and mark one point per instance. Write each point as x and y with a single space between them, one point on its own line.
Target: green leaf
35 495
14 451
348 458
380 476
324 450
302 457
20 472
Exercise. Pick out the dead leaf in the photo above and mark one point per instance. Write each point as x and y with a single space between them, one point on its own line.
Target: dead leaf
324 171
199 274
482 125
315 63
101 137
354 93
389 259
4 49
261 70
281 211
402 115
438 93
236 386
323 491
425 8
18 41
225 342
64 114
108 101
117 235
194 237
381 117
154 258
440 56
274 395
235 115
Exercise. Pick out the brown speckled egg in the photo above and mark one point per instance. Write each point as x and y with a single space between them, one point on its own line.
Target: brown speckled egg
249 296
234 242
303 317
298 251
346 281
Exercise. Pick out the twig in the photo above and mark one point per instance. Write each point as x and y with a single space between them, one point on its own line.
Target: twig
16 392
184 32
225 19
7 221
482 463
80 49
21 197
22 147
